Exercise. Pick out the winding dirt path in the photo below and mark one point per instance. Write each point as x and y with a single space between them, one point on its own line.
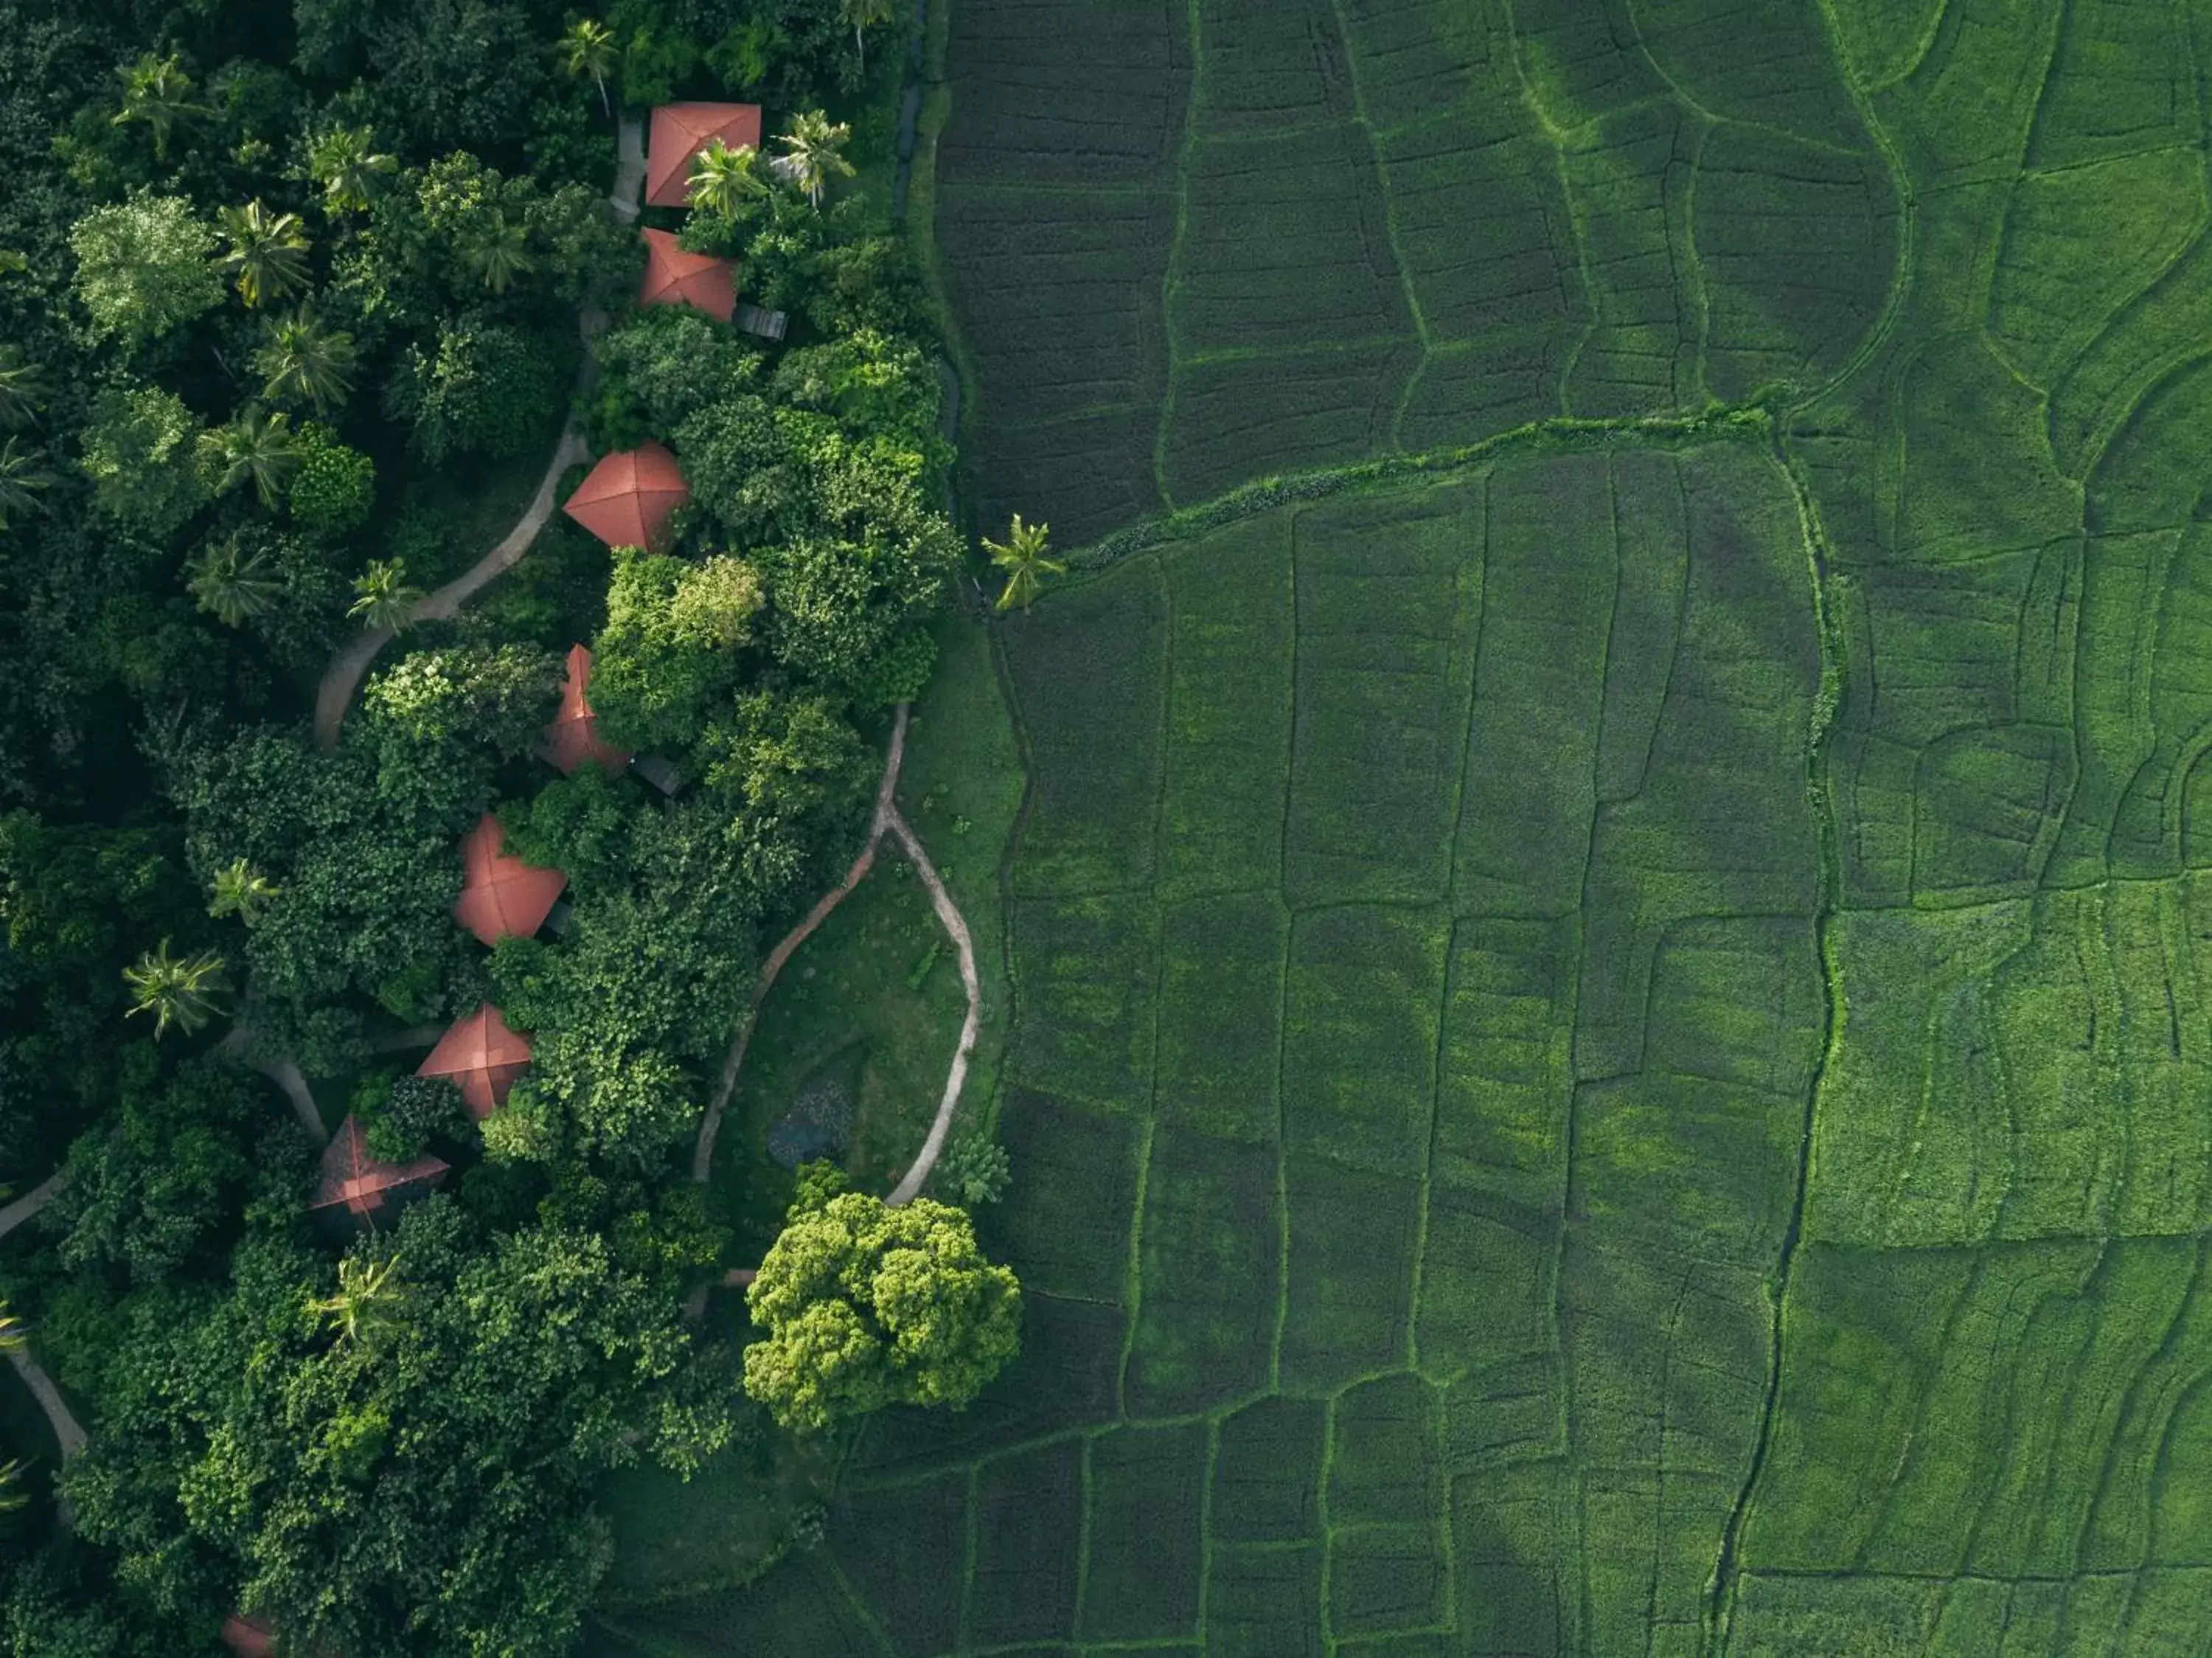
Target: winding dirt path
67 1432
341 678
888 820
30 1203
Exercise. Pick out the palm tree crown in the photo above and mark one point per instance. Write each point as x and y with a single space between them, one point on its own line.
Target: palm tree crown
865 14
812 153
232 587
21 477
369 1298
185 991
303 361
496 248
240 890
257 445
382 595
22 389
268 251
1025 558
157 91
722 179
588 48
345 163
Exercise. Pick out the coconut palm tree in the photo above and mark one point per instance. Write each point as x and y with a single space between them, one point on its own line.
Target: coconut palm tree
22 389
268 251
259 445
494 248
588 48
1024 557
723 180
865 14
812 152
369 1296
185 991
303 361
23 475
345 161
382 597
232 587
240 890
157 91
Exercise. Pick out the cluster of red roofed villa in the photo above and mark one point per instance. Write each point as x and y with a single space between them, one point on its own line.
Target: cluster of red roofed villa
627 501
480 1054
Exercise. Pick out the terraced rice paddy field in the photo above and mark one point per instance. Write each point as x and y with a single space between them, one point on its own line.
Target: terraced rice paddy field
1610 1045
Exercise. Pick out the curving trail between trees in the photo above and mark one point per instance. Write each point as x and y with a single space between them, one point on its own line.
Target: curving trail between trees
887 821
340 679
30 1203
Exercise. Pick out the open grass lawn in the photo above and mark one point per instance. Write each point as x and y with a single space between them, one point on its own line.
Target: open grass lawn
1606 1052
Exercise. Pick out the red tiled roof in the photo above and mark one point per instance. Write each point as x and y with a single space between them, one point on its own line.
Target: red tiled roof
573 737
681 131
249 1637
673 276
481 1056
627 498
358 1190
503 895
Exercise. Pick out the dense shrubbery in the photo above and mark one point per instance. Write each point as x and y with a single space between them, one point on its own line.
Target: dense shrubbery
282 266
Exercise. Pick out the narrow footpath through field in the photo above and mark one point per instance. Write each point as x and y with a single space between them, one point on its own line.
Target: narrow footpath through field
888 820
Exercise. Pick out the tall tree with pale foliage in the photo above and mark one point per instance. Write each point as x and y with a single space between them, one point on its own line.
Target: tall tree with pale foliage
1025 556
813 152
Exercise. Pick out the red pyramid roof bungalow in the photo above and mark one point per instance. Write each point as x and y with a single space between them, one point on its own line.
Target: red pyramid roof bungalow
500 894
481 1056
681 131
249 1637
673 276
573 737
628 497
359 1191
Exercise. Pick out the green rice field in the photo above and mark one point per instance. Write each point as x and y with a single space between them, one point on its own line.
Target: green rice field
1608 1048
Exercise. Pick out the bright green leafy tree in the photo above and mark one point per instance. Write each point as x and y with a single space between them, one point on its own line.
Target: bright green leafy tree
142 266
866 1306
141 452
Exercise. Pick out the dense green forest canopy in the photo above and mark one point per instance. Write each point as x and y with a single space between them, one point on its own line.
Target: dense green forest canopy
296 297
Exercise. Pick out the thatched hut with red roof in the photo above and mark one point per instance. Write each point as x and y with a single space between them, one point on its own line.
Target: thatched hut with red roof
627 499
681 131
359 1191
501 895
573 740
673 276
481 1055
